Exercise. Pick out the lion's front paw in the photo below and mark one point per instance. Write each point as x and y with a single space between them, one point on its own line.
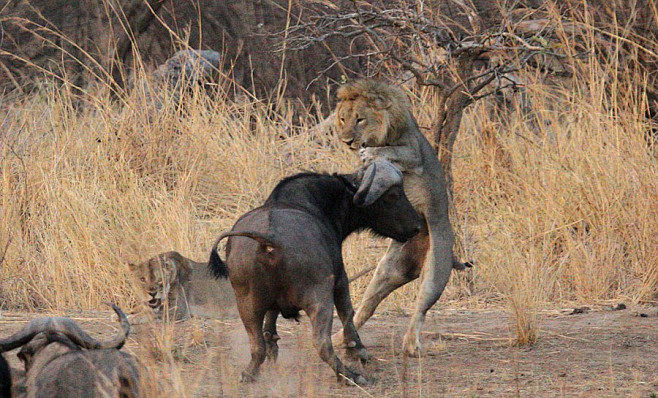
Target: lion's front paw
411 346
137 319
367 155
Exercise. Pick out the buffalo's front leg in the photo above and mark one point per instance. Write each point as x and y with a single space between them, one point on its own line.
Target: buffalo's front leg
351 339
321 315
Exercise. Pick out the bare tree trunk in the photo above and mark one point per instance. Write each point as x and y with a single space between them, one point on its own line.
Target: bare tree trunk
452 103
445 134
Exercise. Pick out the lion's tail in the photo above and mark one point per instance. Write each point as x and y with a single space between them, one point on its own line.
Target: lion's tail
455 264
218 267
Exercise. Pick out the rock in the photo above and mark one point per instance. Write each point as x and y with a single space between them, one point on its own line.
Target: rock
189 67
180 73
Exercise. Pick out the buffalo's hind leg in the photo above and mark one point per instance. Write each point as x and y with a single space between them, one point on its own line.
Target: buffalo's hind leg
321 315
271 336
252 319
351 339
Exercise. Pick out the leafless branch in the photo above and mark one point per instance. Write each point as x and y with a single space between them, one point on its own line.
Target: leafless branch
4 251
464 61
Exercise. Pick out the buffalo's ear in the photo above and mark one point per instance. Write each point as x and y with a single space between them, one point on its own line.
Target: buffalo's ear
350 181
378 177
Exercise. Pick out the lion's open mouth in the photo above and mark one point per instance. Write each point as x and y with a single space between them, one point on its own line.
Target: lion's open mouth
154 302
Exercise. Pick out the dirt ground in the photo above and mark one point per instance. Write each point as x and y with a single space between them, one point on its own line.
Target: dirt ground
597 352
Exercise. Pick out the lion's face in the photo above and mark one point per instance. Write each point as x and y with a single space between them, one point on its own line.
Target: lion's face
360 124
156 276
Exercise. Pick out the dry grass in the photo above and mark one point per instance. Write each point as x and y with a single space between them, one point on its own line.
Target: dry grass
563 205
554 206
86 190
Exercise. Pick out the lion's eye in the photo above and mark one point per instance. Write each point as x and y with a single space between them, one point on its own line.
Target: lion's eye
342 120
360 121
142 279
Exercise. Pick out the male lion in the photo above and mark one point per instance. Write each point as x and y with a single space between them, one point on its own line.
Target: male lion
376 118
180 288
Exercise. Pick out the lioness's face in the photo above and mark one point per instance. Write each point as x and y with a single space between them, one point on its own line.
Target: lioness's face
361 125
155 276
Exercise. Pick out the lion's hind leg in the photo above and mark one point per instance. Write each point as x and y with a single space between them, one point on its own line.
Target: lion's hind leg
400 265
435 275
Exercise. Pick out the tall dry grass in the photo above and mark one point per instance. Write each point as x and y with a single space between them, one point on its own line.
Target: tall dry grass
554 205
563 202
85 190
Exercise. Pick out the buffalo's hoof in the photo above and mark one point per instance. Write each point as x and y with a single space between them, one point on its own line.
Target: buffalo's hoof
271 350
355 378
462 266
362 381
247 377
360 354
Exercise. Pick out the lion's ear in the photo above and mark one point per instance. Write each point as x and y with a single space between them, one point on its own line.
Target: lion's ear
347 92
379 101
183 269
171 264
175 262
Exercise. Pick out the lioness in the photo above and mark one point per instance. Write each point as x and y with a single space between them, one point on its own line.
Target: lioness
376 119
178 287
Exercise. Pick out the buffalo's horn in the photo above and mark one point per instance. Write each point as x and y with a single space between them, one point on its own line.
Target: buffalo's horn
378 177
81 338
68 328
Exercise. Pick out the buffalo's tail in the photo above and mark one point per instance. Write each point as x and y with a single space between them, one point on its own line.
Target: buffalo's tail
218 267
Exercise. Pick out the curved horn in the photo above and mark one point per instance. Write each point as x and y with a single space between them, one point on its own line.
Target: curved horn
36 326
59 337
21 337
78 336
120 338
378 177
68 328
